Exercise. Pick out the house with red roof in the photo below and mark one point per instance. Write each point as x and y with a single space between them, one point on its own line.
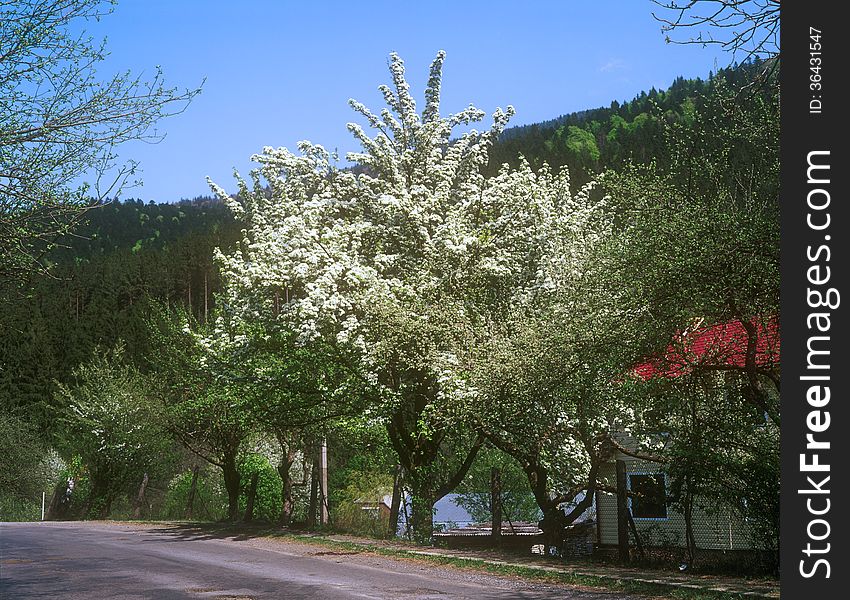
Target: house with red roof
749 348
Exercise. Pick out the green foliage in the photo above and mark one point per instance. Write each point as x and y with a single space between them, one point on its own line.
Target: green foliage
110 422
722 453
518 503
27 469
77 472
692 200
210 502
697 244
361 463
580 145
268 499
356 509
101 292
14 509
698 233
618 135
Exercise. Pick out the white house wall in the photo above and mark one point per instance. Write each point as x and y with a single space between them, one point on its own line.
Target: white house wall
712 530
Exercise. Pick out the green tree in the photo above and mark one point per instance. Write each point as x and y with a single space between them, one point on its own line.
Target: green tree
403 263
695 250
111 422
210 415
372 296
517 501
581 146
295 393
549 399
698 236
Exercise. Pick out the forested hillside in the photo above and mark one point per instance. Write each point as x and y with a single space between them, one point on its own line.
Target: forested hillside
592 140
102 280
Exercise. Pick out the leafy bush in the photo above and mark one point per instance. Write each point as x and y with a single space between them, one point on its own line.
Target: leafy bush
19 509
210 498
25 470
267 503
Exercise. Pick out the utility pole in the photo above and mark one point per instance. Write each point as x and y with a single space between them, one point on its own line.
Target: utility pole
324 483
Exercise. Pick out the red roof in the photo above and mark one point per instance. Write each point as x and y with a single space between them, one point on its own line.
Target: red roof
715 345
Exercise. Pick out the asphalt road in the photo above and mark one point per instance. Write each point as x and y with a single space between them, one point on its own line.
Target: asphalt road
92 561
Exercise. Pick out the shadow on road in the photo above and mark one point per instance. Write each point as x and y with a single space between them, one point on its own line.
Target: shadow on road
216 531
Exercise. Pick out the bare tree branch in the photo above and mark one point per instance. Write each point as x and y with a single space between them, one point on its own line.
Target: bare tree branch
61 122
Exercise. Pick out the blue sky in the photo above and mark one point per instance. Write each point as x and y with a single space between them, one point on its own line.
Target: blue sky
278 71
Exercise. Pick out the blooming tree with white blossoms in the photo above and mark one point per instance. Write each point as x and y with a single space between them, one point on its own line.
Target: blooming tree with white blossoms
409 259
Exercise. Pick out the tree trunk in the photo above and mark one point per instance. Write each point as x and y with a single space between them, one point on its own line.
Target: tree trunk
252 495
622 513
231 483
495 506
422 519
554 519
140 498
190 501
552 524
395 503
287 457
690 540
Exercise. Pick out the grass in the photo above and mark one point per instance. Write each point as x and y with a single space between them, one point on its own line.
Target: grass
651 590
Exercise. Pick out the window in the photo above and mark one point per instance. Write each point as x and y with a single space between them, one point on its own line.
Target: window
650 495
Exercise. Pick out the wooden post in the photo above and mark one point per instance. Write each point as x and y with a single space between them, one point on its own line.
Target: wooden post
314 489
495 506
622 513
324 483
252 495
190 501
635 533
